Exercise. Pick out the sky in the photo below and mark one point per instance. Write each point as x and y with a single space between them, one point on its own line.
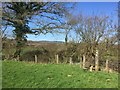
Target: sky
86 8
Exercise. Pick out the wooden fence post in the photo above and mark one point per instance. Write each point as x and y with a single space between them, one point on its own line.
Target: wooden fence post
8 56
106 66
36 59
91 67
18 58
81 64
96 61
78 57
57 58
71 60
83 61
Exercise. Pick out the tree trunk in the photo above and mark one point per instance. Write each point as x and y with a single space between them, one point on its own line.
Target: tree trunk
20 41
18 50
96 61
17 53
66 39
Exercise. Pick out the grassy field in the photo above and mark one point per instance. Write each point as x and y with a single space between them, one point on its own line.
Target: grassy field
31 75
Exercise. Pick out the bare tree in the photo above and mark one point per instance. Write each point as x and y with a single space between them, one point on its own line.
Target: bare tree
91 31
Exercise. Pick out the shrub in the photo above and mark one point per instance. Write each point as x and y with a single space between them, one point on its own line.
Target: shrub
43 55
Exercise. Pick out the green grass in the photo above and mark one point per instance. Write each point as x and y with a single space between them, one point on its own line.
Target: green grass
31 75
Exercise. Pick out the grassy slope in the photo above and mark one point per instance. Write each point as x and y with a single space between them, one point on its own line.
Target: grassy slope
21 74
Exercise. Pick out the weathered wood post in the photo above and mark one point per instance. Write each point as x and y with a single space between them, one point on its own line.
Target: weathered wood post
106 66
18 58
91 67
81 64
71 61
57 58
79 58
36 59
83 61
8 56
96 61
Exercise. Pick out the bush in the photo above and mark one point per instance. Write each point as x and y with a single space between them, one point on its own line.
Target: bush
43 55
